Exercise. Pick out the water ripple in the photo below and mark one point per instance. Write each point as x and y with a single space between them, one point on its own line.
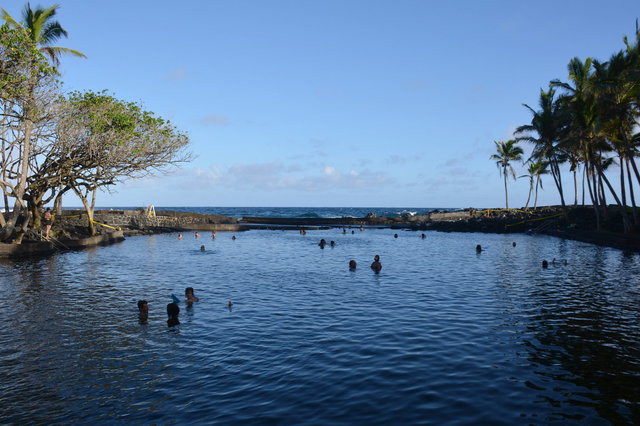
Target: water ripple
441 335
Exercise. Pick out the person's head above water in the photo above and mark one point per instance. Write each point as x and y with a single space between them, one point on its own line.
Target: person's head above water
478 248
143 306
173 310
202 248
352 264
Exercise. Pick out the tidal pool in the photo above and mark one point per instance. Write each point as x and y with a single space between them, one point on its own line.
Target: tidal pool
441 335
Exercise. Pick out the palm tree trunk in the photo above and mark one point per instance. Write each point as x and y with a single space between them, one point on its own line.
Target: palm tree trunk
526 206
601 195
594 200
506 193
623 192
535 201
625 218
632 195
584 174
575 187
555 172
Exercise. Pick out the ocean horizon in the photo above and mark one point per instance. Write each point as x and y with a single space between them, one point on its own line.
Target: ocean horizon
291 212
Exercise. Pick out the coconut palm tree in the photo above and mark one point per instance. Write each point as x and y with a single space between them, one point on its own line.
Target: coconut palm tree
507 152
545 132
43 30
535 171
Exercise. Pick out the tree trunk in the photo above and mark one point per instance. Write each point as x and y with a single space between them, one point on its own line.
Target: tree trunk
594 200
506 194
7 107
555 172
535 201
632 195
584 173
87 209
526 206
623 192
575 187
623 210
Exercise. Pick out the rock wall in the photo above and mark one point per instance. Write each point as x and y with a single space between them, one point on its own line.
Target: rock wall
139 220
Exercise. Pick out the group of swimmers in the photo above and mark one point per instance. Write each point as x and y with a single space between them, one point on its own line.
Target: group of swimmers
173 310
545 263
213 236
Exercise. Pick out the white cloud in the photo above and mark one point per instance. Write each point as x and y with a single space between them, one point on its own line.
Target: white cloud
177 74
213 120
275 176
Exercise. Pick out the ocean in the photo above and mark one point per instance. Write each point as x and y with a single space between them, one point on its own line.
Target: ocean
310 212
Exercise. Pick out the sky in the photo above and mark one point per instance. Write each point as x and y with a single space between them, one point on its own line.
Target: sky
325 103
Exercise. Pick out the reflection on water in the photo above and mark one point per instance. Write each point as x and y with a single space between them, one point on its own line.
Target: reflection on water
442 334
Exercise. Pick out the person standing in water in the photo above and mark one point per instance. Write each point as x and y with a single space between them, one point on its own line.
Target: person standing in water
190 297
47 222
143 311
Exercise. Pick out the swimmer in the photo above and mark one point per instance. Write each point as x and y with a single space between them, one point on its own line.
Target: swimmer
423 236
376 265
332 243
202 248
143 310
513 244
353 232
197 235
344 230
478 248
230 304
395 235
188 293
564 262
352 265
545 264
322 243
173 310
361 228
179 236
213 234
234 238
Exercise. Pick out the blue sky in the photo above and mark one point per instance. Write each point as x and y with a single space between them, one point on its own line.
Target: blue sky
334 103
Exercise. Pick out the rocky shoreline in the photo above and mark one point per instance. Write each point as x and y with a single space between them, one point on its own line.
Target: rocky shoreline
577 223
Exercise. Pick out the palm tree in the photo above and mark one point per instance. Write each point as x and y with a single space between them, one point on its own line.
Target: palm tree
535 171
507 151
548 124
43 30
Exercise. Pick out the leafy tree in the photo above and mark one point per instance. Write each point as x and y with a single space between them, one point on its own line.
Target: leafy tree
27 85
101 141
507 152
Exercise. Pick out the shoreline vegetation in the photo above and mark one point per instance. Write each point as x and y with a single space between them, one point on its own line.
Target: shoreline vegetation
69 231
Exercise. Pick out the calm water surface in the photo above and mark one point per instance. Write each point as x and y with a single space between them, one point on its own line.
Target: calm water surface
441 335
